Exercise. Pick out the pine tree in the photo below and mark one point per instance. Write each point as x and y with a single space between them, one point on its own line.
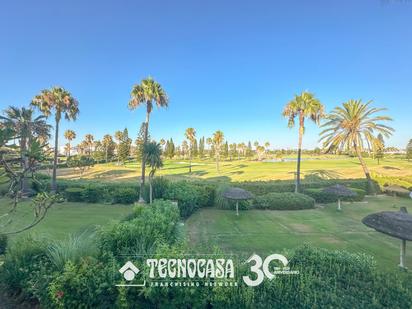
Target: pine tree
124 146
170 149
379 147
195 150
140 141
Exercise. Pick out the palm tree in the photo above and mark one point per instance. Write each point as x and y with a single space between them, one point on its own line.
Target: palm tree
302 106
89 138
147 93
69 135
62 103
191 136
152 152
106 142
25 128
353 127
217 142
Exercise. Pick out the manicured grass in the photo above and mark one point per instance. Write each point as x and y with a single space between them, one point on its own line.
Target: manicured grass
243 170
266 232
64 218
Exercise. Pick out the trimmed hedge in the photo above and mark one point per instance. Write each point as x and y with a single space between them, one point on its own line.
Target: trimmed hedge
325 197
265 187
284 201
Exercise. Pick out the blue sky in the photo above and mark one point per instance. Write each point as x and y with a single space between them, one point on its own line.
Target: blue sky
228 65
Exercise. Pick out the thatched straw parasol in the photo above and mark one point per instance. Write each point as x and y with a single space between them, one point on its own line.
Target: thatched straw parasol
397 224
340 191
237 194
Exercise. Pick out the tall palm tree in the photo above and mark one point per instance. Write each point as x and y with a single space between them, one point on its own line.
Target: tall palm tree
25 129
353 127
217 141
107 141
190 134
147 93
69 135
89 138
62 103
152 152
302 106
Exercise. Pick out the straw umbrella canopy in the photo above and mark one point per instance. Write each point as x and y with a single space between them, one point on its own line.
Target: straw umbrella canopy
397 224
340 191
237 194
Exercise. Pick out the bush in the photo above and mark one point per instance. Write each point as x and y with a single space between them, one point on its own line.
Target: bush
124 195
3 243
324 197
74 194
83 285
190 196
284 201
94 194
151 225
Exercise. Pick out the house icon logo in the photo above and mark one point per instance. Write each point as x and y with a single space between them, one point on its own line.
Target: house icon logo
129 272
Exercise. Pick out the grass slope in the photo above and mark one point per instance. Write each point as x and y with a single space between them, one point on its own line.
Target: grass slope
267 232
242 170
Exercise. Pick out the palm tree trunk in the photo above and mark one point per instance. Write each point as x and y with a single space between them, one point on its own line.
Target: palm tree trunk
301 126
25 164
56 146
142 179
365 168
106 154
190 162
151 190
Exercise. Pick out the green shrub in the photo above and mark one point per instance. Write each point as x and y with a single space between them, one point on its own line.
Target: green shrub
124 195
21 262
334 279
83 285
190 196
284 201
3 243
152 225
74 194
324 197
94 194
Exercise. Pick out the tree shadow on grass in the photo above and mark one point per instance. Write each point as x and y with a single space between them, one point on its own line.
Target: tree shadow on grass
314 175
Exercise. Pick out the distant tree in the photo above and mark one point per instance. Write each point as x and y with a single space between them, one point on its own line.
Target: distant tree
147 93
80 163
152 152
232 151
190 134
69 135
379 147
260 151
89 138
108 146
202 147
225 152
217 142
118 135
124 146
162 143
209 142
140 141
302 106
195 150
249 151
62 103
352 126
409 150
170 149
184 149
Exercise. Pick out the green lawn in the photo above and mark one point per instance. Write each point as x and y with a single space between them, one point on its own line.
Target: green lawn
243 170
266 232
65 218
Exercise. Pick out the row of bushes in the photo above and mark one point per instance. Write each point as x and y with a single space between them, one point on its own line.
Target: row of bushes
68 276
324 197
190 195
284 201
